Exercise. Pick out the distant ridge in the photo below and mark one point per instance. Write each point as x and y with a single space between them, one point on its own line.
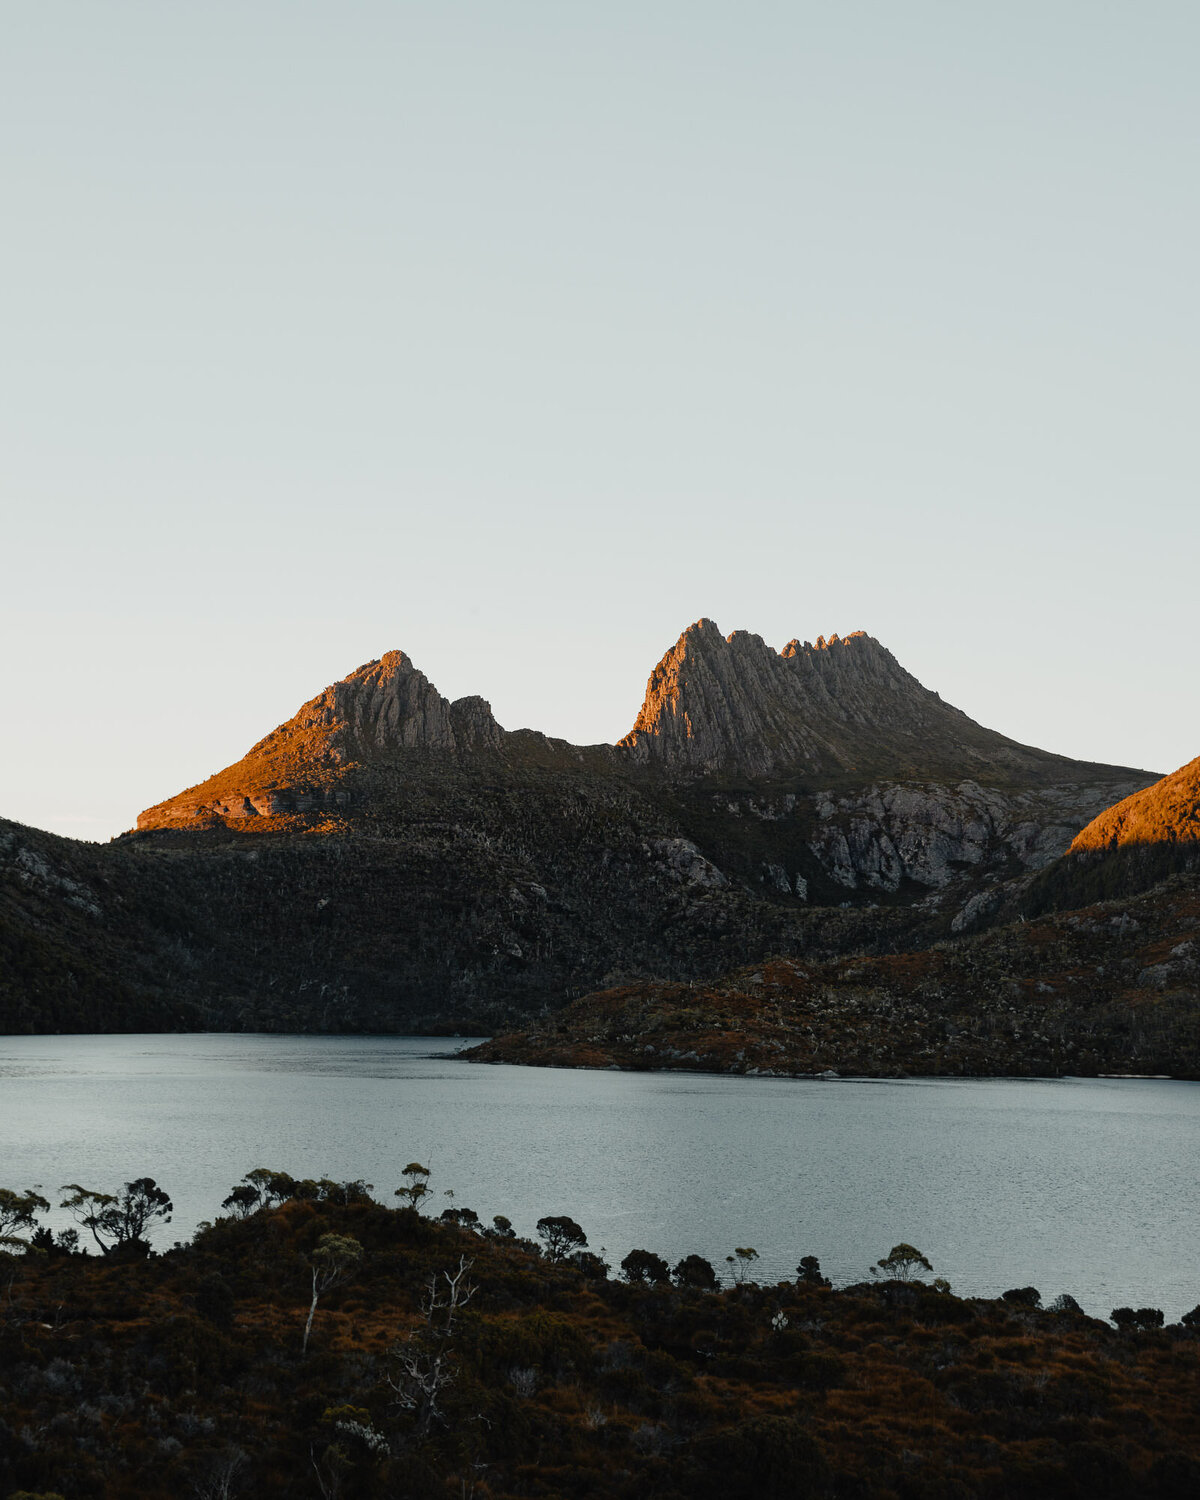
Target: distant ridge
838 712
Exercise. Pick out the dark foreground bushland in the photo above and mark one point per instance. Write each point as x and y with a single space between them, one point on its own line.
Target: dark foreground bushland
182 1374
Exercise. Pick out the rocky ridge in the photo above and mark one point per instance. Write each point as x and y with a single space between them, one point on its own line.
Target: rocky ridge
386 706
869 782
731 705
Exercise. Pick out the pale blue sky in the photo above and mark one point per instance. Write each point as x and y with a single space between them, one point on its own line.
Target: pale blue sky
520 335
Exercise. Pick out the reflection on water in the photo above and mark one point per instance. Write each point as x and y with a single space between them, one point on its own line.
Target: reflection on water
1086 1186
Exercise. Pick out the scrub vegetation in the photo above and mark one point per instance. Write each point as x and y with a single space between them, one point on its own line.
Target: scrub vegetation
316 1343
1111 988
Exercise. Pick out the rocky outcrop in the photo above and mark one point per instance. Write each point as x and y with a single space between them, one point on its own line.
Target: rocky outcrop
389 705
385 708
1166 813
730 705
932 834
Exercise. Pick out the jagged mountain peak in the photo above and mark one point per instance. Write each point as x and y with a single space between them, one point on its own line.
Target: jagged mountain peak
384 707
717 703
390 704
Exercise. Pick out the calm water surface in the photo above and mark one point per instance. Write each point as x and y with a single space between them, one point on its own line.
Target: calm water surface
1086 1186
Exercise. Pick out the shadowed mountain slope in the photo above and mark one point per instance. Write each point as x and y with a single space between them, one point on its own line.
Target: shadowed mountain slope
1113 988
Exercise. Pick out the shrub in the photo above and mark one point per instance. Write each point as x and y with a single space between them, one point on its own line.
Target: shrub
809 1272
766 1458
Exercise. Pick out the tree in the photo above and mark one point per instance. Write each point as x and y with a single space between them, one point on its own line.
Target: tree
243 1200
354 1191
416 1186
18 1211
645 1267
901 1263
334 1259
809 1272
119 1222
465 1218
426 1364
1129 1318
695 1274
740 1262
272 1187
1022 1296
594 1267
560 1235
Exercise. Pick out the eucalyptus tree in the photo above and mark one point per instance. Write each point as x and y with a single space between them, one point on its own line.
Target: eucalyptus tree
333 1260
119 1221
18 1211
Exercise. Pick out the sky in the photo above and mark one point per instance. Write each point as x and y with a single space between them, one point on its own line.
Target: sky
519 336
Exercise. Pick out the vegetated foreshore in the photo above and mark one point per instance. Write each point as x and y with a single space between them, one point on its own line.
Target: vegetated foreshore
312 1340
1110 989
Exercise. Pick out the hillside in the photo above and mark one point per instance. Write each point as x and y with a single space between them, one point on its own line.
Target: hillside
1111 989
129 1378
1166 813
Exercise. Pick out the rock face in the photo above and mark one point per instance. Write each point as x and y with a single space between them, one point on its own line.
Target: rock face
930 834
1166 813
390 705
386 707
731 705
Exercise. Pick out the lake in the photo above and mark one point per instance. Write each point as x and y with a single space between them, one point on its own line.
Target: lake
1087 1186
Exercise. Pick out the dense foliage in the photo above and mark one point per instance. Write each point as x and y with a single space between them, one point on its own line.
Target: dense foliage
446 1359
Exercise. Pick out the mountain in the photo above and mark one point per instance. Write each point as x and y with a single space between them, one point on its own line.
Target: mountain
716 708
730 705
303 767
387 859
